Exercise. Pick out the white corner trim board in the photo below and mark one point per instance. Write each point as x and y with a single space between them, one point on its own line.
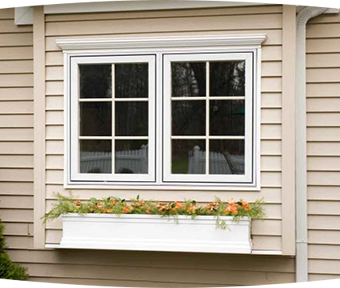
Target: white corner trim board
23 15
82 6
162 42
156 233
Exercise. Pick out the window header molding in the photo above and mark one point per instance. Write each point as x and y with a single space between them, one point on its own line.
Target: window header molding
254 41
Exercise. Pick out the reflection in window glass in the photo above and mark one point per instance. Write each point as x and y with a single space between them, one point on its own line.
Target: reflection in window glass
131 118
188 117
227 78
131 156
95 81
95 119
226 157
227 117
188 79
95 156
188 157
131 80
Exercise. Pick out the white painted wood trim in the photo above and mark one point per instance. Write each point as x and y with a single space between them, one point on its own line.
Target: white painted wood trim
156 233
162 42
115 6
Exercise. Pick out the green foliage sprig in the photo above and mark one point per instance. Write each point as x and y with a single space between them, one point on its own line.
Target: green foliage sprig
114 205
8 269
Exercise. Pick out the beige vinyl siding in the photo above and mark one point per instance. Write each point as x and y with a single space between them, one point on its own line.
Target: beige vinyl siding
323 161
16 131
244 20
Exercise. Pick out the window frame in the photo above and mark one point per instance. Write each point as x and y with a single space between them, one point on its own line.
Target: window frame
159 46
168 177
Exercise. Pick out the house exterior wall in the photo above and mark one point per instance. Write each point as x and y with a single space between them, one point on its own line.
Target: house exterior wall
266 234
128 268
323 146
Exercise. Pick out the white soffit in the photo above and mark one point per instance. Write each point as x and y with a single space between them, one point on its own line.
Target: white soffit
333 9
114 6
23 15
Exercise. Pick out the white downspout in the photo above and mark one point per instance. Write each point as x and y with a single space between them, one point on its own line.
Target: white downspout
301 143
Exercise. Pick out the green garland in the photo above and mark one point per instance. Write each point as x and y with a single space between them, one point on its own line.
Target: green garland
114 205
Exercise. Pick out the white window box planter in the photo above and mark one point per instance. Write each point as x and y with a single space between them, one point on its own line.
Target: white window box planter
155 233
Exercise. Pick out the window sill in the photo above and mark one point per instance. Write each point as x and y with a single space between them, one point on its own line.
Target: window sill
134 232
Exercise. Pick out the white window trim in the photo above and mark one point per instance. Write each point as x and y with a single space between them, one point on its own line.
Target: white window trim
74 127
210 178
158 46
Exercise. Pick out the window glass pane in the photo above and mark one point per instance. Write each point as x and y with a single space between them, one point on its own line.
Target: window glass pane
131 156
226 157
95 156
188 79
188 117
227 78
131 118
227 117
95 81
95 119
188 157
131 80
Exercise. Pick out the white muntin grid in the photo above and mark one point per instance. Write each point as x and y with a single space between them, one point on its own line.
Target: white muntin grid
168 99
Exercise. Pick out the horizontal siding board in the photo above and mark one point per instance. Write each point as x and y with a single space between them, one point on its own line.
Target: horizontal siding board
323 31
16 39
16 161
331 60
323 149
7 13
164 13
271 116
324 193
16 188
18 229
19 242
16 202
271 195
269 147
16 80
267 243
321 222
8 26
16 174
203 276
323 105
323 119
16 94
16 148
323 134
163 25
323 178
324 237
271 132
323 90
18 134
26 66
324 208
16 121
324 266
323 252
16 53
16 107
54 102
323 75
323 46
14 215
271 100
55 132
323 163
271 163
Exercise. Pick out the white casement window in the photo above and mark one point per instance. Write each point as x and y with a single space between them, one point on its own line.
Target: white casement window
162 118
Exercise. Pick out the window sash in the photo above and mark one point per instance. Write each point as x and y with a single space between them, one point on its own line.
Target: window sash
74 131
249 121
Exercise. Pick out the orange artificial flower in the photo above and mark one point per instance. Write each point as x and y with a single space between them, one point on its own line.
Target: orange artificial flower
179 205
78 203
127 209
231 201
192 208
113 202
244 203
99 207
232 208
148 210
162 207
107 211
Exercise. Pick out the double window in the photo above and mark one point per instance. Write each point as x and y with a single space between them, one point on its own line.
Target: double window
162 119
